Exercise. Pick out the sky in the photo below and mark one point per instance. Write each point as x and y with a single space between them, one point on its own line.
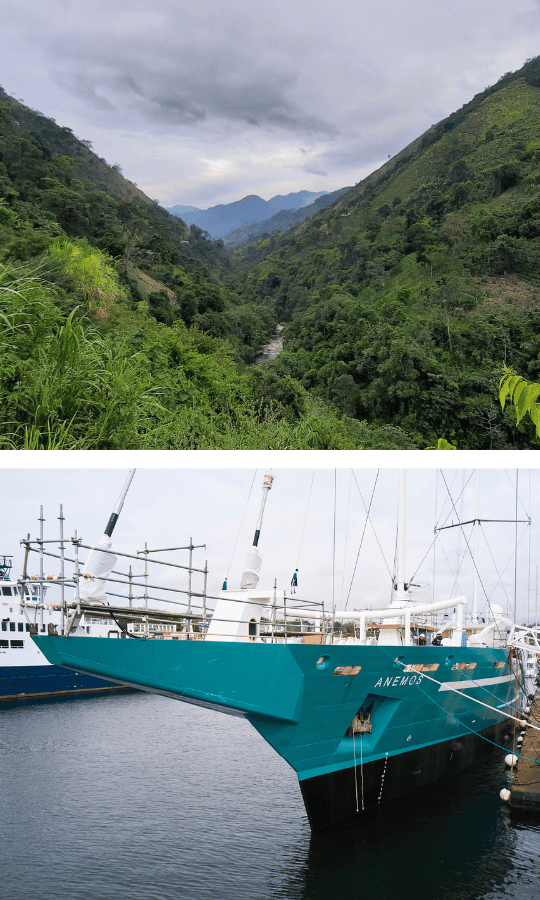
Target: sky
343 562
204 103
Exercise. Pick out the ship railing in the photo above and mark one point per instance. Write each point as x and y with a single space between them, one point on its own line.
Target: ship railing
267 615
133 593
526 637
404 617
143 606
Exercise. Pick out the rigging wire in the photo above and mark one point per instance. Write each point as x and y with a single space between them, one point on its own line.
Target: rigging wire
241 523
462 724
437 533
369 518
435 545
499 575
305 520
445 500
458 549
363 532
450 564
334 547
516 546
468 547
517 542
529 562
346 538
513 488
474 699
458 498
513 554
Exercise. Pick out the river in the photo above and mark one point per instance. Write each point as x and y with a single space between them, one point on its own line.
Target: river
272 349
138 797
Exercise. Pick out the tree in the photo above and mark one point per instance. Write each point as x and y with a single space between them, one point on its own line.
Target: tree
442 444
522 394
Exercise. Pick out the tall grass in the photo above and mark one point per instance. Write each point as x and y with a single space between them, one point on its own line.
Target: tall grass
71 383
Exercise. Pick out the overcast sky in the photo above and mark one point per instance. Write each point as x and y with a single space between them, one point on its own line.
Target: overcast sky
165 507
205 102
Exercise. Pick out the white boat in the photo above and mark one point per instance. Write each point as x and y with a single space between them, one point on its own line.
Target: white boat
25 673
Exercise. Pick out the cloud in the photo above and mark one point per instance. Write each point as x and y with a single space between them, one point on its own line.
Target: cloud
181 80
167 86
314 168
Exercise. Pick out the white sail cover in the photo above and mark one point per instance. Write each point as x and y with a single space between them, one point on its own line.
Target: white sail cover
250 578
99 566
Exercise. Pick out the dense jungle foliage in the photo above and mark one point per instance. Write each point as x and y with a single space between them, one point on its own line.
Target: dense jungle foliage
121 328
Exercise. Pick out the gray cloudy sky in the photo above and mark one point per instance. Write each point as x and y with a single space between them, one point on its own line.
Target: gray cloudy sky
205 102
165 507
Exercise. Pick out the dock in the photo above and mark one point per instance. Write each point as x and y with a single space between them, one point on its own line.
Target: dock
525 789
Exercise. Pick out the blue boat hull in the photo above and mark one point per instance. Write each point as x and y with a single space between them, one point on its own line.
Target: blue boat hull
26 682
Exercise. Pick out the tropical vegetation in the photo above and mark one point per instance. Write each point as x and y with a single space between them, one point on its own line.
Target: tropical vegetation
120 327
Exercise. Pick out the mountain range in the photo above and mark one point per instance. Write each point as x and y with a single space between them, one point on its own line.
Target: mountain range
282 221
219 220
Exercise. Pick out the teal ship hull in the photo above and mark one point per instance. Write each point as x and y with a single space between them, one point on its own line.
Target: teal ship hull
303 699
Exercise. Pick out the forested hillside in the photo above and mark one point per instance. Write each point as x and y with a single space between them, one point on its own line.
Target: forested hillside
407 296
122 328
402 301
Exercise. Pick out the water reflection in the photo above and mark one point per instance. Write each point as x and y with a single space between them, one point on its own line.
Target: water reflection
138 796
452 842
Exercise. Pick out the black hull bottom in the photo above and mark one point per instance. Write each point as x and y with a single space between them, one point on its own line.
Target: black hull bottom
331 800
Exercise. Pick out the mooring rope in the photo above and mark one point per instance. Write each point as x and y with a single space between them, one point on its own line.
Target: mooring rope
467 727
480 702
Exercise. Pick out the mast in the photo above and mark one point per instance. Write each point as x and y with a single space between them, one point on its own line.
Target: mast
476 530
400 586
250 578
101 561
41 571
113 518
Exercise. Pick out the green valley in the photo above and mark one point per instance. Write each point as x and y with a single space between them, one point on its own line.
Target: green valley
402 301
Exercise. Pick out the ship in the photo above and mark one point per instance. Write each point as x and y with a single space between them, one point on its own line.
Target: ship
25 673
417 693
26 605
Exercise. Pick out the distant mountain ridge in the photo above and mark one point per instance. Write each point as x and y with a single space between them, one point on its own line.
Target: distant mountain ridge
219 220
282 221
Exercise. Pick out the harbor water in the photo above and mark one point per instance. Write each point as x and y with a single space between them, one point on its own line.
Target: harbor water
137 796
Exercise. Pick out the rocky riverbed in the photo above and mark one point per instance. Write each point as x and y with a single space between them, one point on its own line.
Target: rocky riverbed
272 349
